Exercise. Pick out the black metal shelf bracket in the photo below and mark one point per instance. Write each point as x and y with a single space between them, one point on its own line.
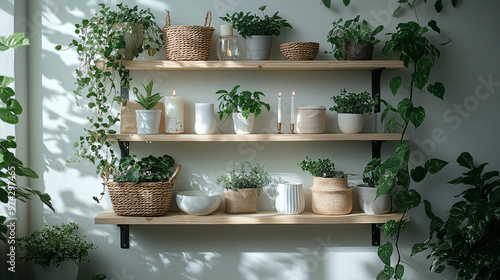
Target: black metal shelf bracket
124 236
375 235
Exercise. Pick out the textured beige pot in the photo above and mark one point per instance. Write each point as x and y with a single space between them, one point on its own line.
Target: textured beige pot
241 201
331 196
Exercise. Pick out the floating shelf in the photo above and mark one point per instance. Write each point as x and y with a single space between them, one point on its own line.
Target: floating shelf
255 137
271 65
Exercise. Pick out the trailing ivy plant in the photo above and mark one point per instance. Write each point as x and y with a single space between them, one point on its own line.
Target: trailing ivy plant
103 42
10 165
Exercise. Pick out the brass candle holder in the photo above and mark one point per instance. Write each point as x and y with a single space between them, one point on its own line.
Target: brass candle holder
292 128
279 128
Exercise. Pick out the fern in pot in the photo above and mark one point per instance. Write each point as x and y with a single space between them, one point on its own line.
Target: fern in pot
351 109
148 120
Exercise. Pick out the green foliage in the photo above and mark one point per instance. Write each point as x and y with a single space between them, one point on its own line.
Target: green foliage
248 25
99 277
244 176
149 100
320 168
353 103
469 239
52 245
371 174
148 169
350 31
244 102
328 3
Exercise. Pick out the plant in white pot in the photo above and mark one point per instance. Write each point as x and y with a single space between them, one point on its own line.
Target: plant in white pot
367 193
242 186
148 120
243 107
258 31
351 109
56 251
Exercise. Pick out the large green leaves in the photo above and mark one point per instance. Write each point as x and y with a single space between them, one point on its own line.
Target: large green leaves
13 41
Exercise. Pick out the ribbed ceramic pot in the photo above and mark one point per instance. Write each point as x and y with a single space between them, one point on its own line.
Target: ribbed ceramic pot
204 118
148 121
331 196
242 125
351 123
259 47
290 199
241 201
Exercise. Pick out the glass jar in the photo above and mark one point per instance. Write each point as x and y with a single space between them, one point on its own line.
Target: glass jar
227 48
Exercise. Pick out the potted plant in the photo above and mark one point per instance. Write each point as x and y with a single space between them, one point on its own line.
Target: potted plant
330 193
367 193
257 31
56 251
352 39
148 121
243 107
242 185
351 108
142 187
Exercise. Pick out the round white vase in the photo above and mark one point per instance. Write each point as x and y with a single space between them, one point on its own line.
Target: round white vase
148 121
351 123
290 199
242 125
204 118
259 47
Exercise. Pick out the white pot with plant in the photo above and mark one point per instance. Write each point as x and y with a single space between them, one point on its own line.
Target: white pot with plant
243 107
258 32
367 193
351 109
55 251
242 185
148 121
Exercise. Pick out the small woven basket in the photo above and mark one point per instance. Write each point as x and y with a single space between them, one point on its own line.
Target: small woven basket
300 50
331 196
188 42
142 199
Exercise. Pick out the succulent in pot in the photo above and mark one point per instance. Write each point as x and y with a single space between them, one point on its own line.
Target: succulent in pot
257 31
351 108
148 120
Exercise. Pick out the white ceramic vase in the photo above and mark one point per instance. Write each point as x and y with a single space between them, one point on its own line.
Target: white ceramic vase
204 118
259 47
148 121
351 123
67 270
242 125
290 199
368 203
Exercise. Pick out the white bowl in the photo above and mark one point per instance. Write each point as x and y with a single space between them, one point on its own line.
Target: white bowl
198 203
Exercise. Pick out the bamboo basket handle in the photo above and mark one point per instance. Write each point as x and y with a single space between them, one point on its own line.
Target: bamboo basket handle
167 18
175 174
208 18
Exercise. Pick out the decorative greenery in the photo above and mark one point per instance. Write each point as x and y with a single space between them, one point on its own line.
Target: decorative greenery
244 176
320 168
469 239
10 165
438 4
52 245
352 103
148 169
371 174
244 102
248 25
150 100
328 3
350 31
101 45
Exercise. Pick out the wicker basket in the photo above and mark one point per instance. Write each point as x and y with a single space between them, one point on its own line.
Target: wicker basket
300 50
331 196
142 199
188 42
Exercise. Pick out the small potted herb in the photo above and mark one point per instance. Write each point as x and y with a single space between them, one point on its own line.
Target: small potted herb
243 107
242 186
367 193
330 193
352 39
351 108
257 31
148 121
55 250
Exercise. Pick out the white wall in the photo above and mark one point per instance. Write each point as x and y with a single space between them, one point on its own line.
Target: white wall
259 252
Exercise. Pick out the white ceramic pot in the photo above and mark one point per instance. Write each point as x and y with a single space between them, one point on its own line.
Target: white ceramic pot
198 203
242 125
67 270
259 47
290 199
204 118
351 123
368 203
148 121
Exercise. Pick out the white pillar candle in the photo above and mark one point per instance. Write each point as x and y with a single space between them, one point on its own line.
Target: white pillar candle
174 114
279 107
292 114
226 30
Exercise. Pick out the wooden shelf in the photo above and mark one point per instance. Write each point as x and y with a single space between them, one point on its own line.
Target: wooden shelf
260 218
255 137
271 65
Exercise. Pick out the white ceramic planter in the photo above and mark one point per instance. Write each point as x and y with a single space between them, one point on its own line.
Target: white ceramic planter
148 121
242 125
66 271
368 203
351 123
204 118
290 199
198 203
259 47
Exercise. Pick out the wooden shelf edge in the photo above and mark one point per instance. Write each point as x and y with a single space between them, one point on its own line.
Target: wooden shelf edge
260 218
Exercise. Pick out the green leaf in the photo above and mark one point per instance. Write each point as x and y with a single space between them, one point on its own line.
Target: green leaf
13 41
400 271
433 24
14 106
391 124
384 252
347 2
8 117
390 228
435 165
26 172
385 274
418 173
428 209
4 196
407 199
403 152
327 3
5 81
417 116
437 89
405 108
438 6
395 84
465 159
419 247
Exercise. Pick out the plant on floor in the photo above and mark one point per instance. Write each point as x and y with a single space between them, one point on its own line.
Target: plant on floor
248 25
469 239
52 245
353 103
245 176
147 169
149 100
10 165
103 42
320 168
245 102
